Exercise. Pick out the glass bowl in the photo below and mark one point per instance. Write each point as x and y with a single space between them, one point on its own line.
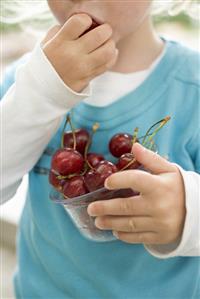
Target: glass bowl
77 210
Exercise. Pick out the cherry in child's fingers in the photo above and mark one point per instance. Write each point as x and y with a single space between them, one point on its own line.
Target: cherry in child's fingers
95 38
79 58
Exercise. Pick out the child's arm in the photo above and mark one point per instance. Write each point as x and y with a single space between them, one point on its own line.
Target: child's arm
32 110
46 87
164 216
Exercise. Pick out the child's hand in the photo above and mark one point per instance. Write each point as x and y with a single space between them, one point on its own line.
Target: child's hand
157 215
76 59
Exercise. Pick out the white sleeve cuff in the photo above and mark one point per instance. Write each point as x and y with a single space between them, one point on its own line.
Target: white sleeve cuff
189 244
9 192
51 83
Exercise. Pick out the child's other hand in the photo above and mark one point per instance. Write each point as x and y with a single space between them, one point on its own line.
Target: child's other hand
77 59
157 215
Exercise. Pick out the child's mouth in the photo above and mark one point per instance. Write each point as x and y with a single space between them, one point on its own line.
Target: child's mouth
95 23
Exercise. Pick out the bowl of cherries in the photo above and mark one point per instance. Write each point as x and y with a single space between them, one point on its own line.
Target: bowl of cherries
77 175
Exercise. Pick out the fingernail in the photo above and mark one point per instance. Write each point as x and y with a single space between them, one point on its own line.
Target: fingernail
96 223
116 51
89 210
137 144
106 184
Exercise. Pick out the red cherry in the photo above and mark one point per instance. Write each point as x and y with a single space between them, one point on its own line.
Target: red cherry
94 159
94 25
120 144
125 159
75 187
82 138
94 178
54 181
67 161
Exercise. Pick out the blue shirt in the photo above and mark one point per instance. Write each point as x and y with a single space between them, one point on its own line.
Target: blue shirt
54 259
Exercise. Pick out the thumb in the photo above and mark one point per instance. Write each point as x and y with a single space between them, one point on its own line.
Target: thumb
150 160
50 34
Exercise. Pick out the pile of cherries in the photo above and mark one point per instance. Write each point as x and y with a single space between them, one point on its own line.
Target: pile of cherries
75 171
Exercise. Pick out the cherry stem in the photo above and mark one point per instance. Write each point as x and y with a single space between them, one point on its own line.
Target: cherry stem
84 170
94 129
73 131
144 136
162 122
152 144
63 177
63 132
69 176
127 165
135 134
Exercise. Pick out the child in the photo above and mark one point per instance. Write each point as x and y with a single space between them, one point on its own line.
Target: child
148 78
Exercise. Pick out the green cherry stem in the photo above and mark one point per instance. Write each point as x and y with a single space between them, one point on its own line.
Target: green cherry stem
135 134
69 176
63 132
94 129
152 144
63 177
162 122
144 136
73 131
129 163
84 170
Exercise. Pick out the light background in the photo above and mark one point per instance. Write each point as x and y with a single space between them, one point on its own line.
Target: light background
14 44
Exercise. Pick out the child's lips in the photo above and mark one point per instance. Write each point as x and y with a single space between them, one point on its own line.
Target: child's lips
94 25
95 20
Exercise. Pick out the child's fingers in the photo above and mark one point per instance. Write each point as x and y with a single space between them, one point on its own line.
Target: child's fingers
137 238
75 26
103 54
95 38
130 206
137 180
151 161
50 34
126 224
103 68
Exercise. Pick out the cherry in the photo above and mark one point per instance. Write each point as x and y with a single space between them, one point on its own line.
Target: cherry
94 25
94 159
75 172
74 187
126 159
67 161
120 144
54 181
94 178
82 138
